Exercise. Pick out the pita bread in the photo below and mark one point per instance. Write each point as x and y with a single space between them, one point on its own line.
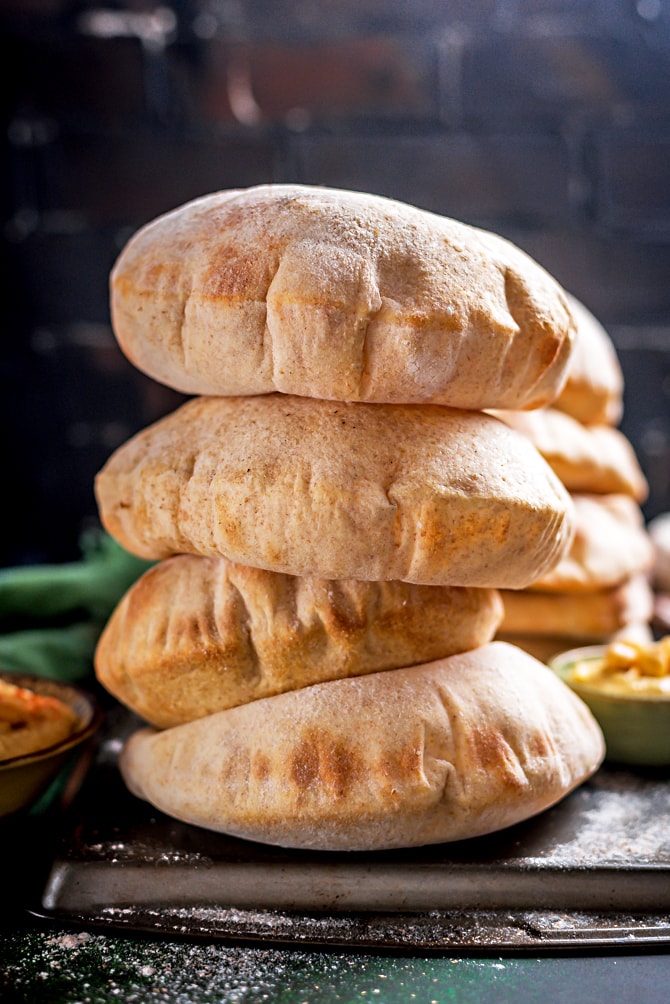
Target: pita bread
593 616
338 295
593 390
197 635
444 751
306 487
610 545
546 647
588 459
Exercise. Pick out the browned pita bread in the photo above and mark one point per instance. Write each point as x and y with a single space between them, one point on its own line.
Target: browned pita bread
610 545
593 391
416 493
197 635
338 295
444 751
588 616
547 647
588 459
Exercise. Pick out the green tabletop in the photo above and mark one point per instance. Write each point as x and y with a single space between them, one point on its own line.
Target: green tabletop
57 965
46 962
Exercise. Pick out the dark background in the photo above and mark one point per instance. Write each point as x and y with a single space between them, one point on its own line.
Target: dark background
547 122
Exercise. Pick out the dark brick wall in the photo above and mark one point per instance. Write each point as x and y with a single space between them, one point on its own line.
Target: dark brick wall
547 121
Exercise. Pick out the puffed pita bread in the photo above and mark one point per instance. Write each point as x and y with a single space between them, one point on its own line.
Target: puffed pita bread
593 390
338 295
591 459
197 635
546 647
610 545
444 751
416 493
593 616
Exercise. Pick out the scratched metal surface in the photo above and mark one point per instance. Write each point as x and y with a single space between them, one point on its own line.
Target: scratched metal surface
593 871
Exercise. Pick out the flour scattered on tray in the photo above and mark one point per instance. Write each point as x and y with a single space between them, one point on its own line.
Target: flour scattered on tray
622 825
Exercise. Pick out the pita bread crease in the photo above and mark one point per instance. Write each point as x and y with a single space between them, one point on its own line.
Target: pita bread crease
443 751
338 295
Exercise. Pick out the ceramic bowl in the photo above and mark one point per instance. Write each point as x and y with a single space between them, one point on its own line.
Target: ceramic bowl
24 778
636 726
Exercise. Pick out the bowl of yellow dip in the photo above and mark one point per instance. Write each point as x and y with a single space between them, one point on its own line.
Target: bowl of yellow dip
43 723
626 684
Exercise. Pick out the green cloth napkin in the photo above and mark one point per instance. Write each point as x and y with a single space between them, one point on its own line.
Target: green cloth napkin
51 615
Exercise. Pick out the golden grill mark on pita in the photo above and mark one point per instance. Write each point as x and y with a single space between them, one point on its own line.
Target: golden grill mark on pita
443 751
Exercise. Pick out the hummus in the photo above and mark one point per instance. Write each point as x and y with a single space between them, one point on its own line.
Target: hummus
627 669
30 722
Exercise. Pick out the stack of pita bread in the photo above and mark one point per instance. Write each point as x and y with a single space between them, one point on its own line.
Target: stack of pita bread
332 514
601 589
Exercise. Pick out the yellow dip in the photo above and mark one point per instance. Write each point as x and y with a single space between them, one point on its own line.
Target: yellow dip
30 722
627 669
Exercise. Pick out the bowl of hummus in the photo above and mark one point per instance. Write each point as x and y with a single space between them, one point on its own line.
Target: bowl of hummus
42 725
626 684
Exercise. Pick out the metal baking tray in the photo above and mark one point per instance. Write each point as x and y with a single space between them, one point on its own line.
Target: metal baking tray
593 871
